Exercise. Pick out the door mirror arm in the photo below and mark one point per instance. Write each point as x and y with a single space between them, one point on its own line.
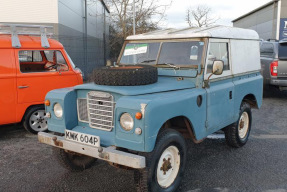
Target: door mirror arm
217 69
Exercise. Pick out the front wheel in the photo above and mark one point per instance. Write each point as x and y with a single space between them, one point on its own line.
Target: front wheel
164 165
237 134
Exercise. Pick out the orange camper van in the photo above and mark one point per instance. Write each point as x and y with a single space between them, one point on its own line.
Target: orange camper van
30 66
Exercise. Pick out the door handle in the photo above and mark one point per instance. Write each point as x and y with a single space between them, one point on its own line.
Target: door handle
23 87
230 94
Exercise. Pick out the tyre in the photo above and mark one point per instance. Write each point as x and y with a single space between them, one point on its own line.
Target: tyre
164 165
35 120
73 161
237 134
129 75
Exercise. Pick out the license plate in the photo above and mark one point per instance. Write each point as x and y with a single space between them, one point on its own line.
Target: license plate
82 138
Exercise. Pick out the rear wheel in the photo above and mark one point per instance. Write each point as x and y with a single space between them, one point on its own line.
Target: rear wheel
237 134
73 161
35 120
164 165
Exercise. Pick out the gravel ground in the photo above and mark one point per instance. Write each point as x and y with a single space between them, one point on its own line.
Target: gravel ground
260 165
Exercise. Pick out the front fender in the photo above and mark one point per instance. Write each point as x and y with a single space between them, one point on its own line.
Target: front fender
67 98
173 104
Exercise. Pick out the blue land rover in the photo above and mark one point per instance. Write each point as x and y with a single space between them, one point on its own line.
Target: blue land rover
166 87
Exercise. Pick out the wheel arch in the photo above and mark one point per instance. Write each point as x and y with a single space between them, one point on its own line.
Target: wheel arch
252 100
28 108
183 125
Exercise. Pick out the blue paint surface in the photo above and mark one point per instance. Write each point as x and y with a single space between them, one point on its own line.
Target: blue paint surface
163 84
166 99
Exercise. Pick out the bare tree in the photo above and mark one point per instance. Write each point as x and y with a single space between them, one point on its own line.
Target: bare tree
149 14
200 16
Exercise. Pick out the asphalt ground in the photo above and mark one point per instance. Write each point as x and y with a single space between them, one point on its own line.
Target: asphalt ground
261 165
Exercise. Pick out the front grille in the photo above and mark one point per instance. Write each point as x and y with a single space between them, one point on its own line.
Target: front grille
83 110
101 110
97 110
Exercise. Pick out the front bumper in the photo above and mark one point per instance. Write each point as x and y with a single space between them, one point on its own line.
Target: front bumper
107 154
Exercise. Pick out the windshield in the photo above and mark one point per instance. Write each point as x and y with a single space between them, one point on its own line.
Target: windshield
135 53
71 61
177 53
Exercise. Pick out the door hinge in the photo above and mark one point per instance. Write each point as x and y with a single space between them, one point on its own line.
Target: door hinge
206 124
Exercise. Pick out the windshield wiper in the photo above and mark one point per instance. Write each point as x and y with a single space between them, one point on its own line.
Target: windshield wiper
148 61
169 64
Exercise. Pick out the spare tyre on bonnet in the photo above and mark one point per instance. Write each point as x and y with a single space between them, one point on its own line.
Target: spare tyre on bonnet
125 75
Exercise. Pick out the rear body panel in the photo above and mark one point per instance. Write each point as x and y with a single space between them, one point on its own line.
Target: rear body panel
8 94
266 59
265 69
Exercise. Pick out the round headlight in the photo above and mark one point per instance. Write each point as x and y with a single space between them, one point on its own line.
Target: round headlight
58 110
127 122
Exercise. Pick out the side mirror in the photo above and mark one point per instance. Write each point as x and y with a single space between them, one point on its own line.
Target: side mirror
109 63
80 71
217 67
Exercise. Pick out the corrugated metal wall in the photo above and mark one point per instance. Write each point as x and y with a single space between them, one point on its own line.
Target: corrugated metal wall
68 19
263 21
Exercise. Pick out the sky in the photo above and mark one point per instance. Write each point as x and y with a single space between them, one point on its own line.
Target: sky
225 10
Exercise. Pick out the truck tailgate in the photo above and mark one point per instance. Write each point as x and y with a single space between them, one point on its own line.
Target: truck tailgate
282 68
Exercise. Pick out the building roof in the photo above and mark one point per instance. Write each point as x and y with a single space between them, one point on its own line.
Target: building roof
255 10
28 42
212 32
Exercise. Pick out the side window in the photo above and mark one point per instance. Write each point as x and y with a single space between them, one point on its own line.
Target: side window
267 50
30 56
218 51
60 58
42 61
31 61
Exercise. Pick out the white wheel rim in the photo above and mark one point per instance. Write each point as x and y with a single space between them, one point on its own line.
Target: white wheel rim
166 174
38 121
243 125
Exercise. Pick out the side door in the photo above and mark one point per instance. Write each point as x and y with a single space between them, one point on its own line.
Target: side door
40 71
8 96
220 101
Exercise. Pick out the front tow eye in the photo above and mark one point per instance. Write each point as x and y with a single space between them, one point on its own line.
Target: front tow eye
103 155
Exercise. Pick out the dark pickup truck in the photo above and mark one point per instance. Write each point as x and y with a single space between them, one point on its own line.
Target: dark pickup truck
273 55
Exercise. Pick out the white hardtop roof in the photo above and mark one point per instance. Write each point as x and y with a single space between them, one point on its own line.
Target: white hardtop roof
224 32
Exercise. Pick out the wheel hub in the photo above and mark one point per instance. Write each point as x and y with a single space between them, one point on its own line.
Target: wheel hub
166 166
38 121
241 124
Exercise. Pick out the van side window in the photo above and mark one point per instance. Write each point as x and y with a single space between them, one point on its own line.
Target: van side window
267 50
42 61
30 56
218 51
